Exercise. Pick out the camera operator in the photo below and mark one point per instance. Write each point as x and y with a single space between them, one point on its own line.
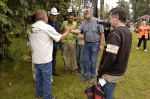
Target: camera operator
118 46
106 31
107 27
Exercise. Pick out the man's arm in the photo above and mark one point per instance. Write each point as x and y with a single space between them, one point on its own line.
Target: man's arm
77 31
65 34
101 41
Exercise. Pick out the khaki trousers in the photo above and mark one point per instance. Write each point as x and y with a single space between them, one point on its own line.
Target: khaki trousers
69 48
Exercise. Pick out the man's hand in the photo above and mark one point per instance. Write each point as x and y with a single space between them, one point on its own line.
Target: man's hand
97 71
68 29
101 47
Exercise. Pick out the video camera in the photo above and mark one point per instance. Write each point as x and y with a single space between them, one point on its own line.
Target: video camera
105 23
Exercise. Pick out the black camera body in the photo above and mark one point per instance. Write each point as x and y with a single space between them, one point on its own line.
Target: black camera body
105 23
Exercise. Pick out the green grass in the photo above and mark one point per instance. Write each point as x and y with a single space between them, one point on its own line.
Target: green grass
134 85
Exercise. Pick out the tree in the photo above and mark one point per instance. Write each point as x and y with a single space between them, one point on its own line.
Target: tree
139 8
106 11
15 19
124 4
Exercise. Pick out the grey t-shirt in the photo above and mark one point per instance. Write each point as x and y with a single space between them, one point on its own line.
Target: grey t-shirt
91 30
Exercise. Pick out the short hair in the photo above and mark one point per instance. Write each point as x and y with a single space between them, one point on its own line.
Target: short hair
90 8
71 14
40 14
121 12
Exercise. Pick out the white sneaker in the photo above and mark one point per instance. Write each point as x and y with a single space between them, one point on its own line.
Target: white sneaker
137 48
145 50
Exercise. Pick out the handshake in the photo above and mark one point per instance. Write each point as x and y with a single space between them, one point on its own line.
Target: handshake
68 29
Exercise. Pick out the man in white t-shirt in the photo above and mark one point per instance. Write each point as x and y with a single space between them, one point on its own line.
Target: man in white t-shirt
41 40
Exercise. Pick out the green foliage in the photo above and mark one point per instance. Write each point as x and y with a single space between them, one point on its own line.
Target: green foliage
139 8
120 3
106 11
15 20
61 5
124 4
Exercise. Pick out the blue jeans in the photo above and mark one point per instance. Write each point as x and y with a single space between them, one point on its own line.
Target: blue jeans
55 50
79 58
44 79
90 54
108 90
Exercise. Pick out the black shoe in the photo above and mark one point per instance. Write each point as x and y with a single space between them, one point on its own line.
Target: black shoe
55 74
82 79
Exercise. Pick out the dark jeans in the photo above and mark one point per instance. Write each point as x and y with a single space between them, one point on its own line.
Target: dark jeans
55 50
79 57
144 42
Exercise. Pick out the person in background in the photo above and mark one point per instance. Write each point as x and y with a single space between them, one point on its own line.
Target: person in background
80 45
54 23
148 22
117 52
107 29
41 39
68 44
94 39
139 21
128 23
143 35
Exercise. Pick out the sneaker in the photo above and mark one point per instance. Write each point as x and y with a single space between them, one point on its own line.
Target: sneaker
72 72
137 48
82 79
91 80
65 71
77 74
37 97
145 50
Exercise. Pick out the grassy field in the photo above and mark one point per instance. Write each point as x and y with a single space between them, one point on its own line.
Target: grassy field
134 85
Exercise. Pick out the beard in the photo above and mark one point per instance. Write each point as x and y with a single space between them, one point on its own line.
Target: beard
87 16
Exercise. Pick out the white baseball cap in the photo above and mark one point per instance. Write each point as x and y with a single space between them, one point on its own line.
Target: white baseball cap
53 11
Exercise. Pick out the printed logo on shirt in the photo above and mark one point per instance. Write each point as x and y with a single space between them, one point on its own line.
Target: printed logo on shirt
36 31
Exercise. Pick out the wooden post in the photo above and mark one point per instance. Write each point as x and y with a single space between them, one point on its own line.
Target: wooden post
101 9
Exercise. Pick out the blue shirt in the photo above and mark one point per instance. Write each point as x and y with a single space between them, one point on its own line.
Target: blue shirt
55 24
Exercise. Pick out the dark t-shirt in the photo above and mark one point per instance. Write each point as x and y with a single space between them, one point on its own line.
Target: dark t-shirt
55 24
116 54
